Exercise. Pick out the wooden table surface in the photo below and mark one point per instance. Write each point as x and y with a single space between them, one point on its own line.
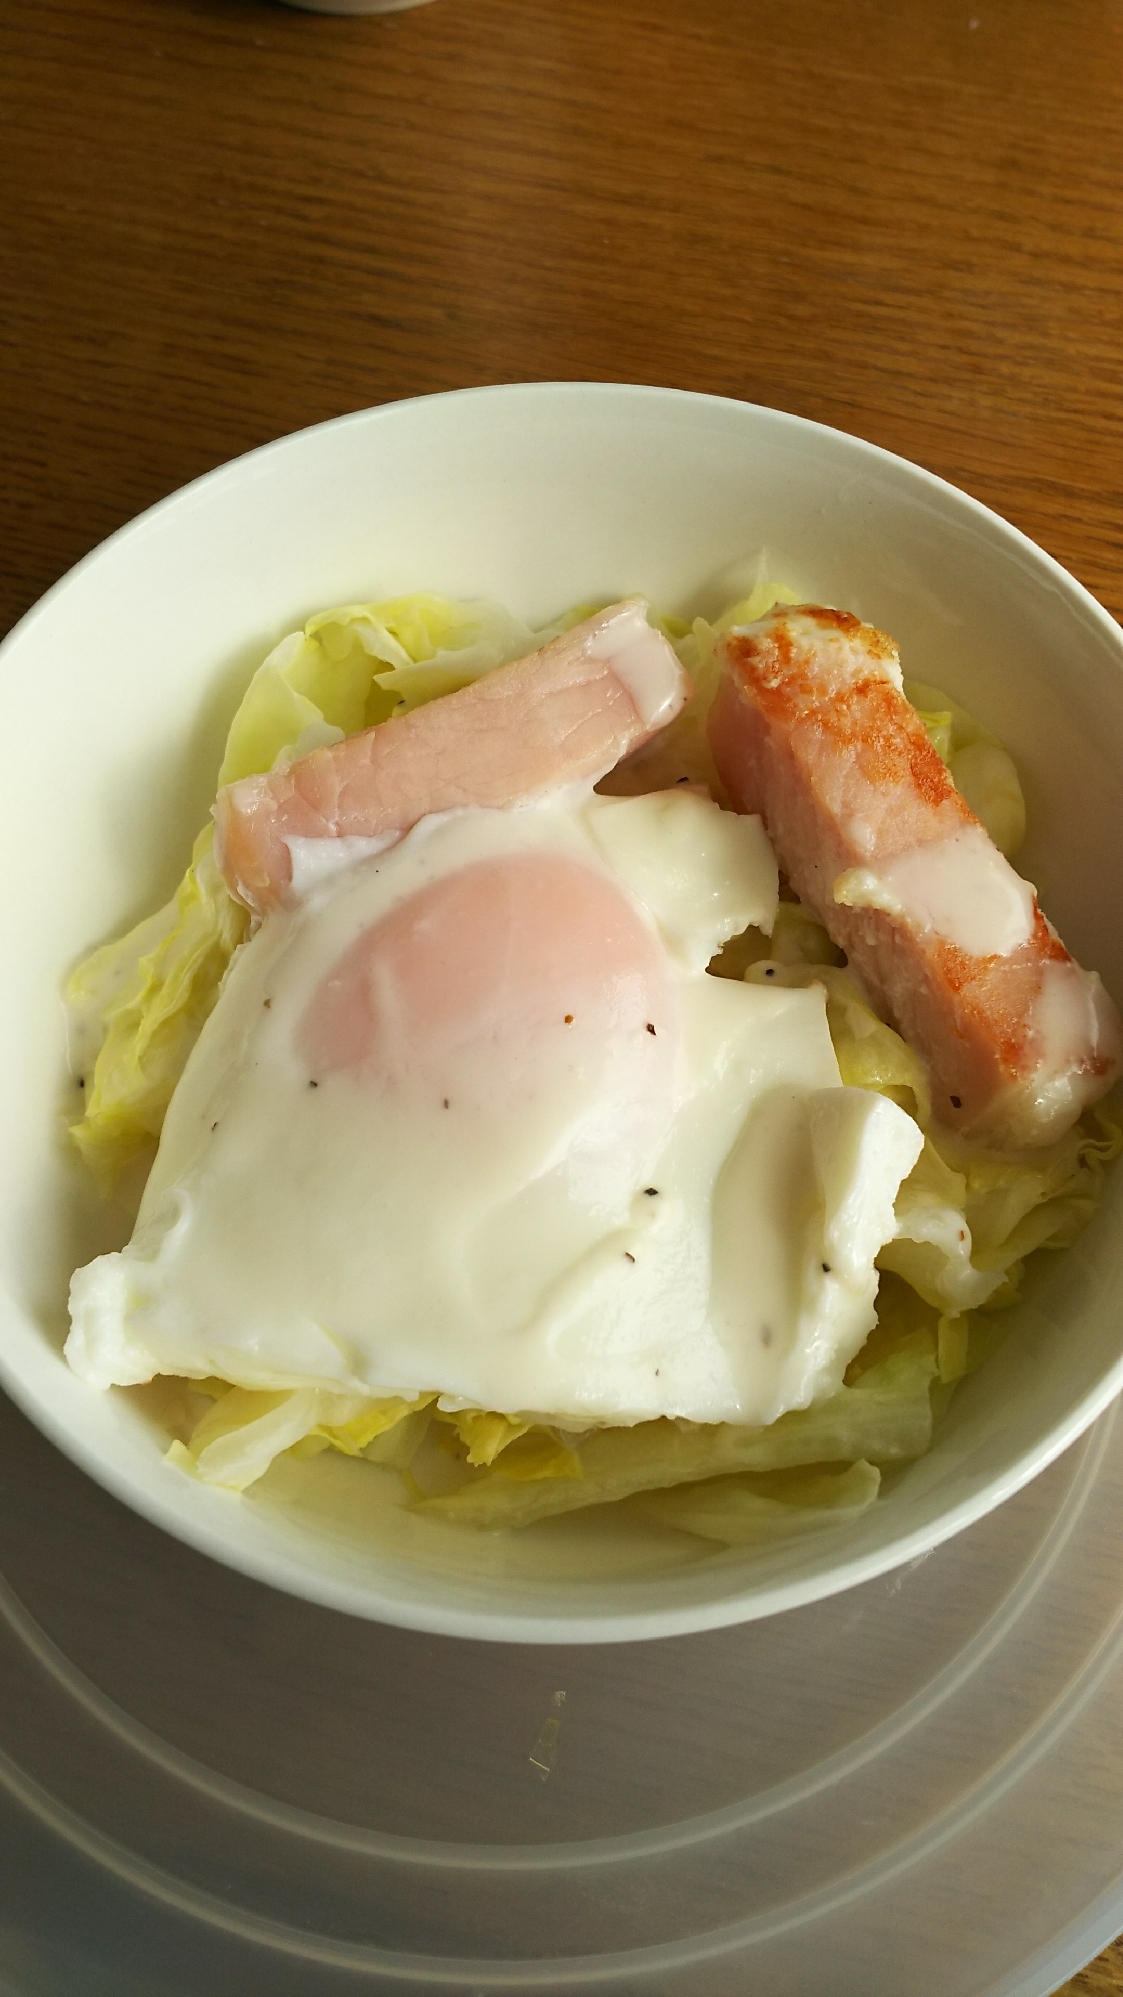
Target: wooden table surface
224 220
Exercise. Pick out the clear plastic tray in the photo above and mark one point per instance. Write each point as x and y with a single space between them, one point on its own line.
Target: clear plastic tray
913 1789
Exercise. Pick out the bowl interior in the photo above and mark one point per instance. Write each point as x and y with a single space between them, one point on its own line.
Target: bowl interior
117 690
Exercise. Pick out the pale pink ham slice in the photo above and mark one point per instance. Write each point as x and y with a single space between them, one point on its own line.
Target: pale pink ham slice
563 715
810 729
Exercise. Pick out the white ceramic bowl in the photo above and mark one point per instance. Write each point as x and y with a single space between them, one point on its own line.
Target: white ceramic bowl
116 693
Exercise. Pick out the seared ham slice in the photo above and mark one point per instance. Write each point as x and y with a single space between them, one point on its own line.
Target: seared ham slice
810 728
563 715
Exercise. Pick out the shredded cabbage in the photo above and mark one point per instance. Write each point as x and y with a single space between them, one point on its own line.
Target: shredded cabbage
885 1417
1014 1206
965 1220
234 1443
980 767
536 1455
145 999
485 1435
773 1504
933 1246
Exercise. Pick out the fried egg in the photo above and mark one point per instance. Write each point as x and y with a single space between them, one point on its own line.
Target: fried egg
472 1118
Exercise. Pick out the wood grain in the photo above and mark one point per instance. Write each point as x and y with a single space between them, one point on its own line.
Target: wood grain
225 219
1102 1978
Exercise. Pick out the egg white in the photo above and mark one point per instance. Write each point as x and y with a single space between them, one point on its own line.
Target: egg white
471 1118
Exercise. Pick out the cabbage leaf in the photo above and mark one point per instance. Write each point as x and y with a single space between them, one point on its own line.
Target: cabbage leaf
885 1417
484 1435
236 1440
966 1219
773 1504
150 994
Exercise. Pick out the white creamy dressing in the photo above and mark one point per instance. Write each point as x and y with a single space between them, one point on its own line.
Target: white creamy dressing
960 887
644 662
1074 1025
473 1119
317 860
1065 1015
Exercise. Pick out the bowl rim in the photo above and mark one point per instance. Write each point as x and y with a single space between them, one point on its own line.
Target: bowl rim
623 1624
143 521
